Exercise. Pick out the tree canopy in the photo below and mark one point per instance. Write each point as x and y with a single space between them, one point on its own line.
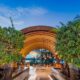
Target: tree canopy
68 41
11 42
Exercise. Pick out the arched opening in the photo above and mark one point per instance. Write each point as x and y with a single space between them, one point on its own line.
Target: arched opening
39 37
40 57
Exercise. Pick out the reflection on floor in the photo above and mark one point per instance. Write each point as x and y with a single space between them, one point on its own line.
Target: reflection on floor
40 73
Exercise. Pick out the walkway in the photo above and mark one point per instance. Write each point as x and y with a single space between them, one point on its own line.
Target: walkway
41 73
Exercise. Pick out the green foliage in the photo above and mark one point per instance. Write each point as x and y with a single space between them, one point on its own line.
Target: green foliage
55 30
11 42
68 41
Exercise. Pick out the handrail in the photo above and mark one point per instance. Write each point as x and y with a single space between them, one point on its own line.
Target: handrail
57 74
19 73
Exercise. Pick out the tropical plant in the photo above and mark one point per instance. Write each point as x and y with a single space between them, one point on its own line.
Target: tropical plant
11 42
68 41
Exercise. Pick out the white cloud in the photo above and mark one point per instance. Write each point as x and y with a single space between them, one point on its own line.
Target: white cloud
19 11
4 21
32 11
20 15
30 16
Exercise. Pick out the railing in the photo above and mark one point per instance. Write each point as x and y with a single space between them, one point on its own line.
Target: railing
8 74
57 75
20 74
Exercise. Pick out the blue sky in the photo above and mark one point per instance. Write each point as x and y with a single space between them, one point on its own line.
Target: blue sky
27 13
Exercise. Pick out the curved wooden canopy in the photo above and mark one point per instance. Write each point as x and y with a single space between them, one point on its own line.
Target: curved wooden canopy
39 37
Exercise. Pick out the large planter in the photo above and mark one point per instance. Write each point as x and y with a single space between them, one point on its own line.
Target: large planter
6 72
1 73
73 72
66 71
